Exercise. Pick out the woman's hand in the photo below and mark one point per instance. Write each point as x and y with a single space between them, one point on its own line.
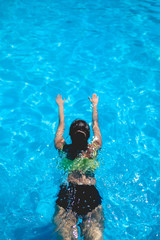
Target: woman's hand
59 100
94 99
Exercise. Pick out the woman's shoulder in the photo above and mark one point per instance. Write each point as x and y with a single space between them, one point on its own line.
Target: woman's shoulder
93 146
92 150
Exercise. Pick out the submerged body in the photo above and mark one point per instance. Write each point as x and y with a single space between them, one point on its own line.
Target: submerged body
79 198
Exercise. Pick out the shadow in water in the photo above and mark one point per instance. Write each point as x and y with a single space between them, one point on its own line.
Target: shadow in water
38 233
46 232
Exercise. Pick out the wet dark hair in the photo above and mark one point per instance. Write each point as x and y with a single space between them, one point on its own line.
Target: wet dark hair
79 132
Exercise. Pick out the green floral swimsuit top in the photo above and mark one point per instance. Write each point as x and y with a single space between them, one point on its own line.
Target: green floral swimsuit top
87 165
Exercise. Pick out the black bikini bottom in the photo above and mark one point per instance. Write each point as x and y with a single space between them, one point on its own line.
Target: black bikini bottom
79 198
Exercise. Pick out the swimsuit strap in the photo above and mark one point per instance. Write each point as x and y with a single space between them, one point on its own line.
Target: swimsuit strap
62 147
95 151
94 145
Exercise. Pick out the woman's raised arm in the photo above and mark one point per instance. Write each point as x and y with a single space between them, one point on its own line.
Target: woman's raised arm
59 140
97 134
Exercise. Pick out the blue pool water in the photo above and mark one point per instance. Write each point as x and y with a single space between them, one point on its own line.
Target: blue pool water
76 48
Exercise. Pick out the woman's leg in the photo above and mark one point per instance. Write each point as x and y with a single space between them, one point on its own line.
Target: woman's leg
66 223
93 224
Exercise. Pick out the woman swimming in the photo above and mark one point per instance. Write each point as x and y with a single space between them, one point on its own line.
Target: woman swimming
79 198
